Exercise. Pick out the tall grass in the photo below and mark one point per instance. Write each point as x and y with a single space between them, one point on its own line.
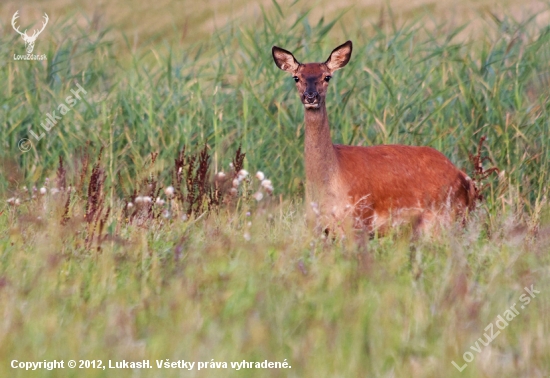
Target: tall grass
407 85
256 283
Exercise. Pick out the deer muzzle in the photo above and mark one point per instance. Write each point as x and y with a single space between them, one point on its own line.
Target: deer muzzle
311 97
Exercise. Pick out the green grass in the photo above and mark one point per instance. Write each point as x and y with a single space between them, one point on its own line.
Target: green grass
198 290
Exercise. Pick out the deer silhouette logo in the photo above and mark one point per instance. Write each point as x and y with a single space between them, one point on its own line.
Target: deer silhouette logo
29 40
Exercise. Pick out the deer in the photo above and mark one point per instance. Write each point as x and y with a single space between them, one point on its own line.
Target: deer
29 41
379 186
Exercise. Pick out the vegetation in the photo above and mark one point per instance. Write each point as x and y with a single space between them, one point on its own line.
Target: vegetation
210 273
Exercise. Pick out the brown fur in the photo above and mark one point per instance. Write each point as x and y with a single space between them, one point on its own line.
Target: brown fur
377 186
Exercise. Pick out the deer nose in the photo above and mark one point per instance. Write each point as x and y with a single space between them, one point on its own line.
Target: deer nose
311 97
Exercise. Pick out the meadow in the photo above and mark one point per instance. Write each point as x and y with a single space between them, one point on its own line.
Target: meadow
94 267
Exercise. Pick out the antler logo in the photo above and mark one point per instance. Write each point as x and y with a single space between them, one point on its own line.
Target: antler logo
29 40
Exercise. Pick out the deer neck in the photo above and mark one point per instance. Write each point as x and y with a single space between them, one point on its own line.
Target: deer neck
321 163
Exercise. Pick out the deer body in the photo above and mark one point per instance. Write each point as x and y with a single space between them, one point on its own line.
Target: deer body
378 185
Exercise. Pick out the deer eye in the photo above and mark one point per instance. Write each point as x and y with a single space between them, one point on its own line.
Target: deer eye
296 78
327 78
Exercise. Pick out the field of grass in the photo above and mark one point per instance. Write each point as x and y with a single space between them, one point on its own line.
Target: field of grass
83 276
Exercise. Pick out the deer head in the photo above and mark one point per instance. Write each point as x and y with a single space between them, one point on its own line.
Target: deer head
312 78
29 41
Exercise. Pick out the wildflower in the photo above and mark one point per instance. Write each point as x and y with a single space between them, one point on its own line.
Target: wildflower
54 191
184 217
43 190
220 175
258 196
159 201
236 183
147 199
248 213
266 184
169 191
231 165
242 174
139 199
130 205
11 200
247 236
260 175
234 191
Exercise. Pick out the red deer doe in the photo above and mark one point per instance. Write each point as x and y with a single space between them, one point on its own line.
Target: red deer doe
381 185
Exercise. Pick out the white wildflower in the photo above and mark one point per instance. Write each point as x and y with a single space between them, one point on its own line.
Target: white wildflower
236 183
258 196
54 191
234 191
184 217
139 199
220 175
147 199
260 175
130 205
242 174
43 190
169 191
159 201
247 236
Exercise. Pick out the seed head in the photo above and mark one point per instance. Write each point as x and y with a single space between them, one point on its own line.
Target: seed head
130 205
260 175
242 174
43 190
169 191
258 196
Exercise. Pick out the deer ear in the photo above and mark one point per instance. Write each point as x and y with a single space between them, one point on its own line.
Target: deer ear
339 57
284 59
